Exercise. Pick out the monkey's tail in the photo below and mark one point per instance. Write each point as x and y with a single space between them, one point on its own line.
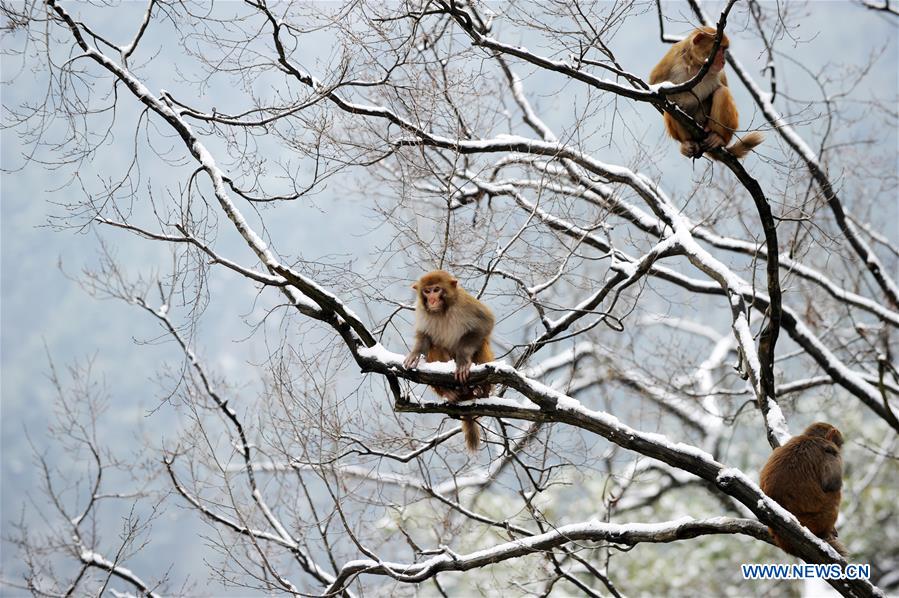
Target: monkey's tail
837 545
472 433
745 145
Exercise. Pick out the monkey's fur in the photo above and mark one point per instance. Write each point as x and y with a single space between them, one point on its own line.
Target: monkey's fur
805 476
451 324
709 102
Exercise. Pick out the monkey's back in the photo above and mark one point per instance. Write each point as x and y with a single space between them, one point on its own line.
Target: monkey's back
662 71
794 476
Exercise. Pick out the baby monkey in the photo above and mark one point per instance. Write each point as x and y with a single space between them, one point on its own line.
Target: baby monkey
451 324
709 102
805 476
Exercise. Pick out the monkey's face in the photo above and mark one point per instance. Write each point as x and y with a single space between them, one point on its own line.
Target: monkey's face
702 47
434 298
718 63
437 291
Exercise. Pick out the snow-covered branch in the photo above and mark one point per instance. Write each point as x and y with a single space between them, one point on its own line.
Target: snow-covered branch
628 534
547 404
93 559
625 303
820 176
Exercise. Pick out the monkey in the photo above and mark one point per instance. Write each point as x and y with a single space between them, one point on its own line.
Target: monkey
709 102
805 476
451 324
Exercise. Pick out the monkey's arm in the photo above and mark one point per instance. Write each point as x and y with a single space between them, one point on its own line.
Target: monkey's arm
422 345
465 351
831 471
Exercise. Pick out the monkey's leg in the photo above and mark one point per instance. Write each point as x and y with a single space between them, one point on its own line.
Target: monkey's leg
467 348
438 353
723 119
688 147
820 522
836 544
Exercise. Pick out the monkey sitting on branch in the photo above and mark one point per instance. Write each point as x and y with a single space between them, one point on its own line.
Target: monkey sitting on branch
709 102
451 324
805 476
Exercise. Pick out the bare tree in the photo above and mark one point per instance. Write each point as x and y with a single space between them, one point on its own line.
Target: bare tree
658 319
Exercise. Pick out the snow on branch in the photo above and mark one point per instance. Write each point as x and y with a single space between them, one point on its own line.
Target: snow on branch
882 6
564 359
545 404
768 337
320 297
821 178
730 285
682 408
591 531
94 559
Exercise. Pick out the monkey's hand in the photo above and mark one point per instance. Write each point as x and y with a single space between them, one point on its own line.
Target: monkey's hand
412 360
691 149
462 371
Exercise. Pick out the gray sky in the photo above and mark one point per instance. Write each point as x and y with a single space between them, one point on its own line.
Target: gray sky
45 312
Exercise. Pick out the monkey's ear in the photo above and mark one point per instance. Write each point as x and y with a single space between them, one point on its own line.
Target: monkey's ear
415 285
834 436
453 282
701 36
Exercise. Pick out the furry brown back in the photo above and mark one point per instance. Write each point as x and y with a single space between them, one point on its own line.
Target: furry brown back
805 476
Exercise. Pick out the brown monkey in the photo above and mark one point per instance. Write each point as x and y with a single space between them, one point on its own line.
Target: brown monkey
709 101
805 476
451 324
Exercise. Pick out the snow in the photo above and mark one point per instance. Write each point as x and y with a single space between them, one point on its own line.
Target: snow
504 402
657 87
273 521
381 353
728 474
777 423
817 587
90 557
586 531
567 403
744 337
629 269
